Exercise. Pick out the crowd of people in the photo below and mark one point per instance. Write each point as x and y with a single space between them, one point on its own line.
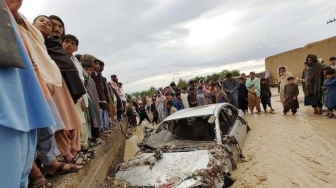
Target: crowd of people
319 84
57 104
249 93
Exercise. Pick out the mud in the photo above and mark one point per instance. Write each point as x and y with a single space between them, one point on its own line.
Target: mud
281 151
288 151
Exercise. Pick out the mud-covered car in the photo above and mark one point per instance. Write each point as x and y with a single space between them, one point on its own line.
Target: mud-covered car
194 147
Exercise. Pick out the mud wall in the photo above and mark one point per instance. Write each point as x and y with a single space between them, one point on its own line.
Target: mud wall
295 58
93 175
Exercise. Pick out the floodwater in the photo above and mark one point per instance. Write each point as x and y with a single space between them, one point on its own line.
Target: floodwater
289 151
281 151
131 144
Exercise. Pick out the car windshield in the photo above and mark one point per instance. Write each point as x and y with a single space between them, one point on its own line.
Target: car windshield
192 128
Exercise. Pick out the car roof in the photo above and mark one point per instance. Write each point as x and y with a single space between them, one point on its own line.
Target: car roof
195 111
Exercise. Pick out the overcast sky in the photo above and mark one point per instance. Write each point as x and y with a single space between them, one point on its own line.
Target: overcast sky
152 42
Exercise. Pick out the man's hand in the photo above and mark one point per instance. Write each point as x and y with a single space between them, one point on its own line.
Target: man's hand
14 6
294 98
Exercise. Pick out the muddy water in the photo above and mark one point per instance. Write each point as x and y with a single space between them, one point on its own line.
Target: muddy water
131 144
289 151
281 151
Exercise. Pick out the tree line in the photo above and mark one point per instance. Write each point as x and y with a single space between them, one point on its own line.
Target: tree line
184 83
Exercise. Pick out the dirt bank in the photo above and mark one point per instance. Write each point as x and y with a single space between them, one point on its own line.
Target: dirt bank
94 173
289 151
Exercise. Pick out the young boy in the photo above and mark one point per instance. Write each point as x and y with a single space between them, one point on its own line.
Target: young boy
291 93
95 118
265 94
331 92
70 45
171 107
177 102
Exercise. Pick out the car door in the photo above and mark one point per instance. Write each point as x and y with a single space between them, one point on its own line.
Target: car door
238 130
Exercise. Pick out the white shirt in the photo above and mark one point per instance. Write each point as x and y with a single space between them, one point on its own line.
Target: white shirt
122 96
184 97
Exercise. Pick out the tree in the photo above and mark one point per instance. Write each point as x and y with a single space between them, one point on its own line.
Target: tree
182 83
235 73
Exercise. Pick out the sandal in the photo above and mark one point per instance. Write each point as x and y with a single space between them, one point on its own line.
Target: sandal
39 182
60 170
93 144
78 159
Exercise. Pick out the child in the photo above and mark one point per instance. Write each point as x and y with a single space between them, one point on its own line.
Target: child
265 95
242 95
200 96
184 97
291 92
331 92
94 117
171 107
177 102
324 89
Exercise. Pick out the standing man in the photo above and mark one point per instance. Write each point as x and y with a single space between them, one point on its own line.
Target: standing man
116 90
253 88
230 86
304 74
26 108
58 27
143 99
143 114
314 81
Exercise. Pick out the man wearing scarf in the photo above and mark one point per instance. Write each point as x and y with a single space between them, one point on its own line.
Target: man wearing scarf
283 74
117 92
68 139
314 81
58 29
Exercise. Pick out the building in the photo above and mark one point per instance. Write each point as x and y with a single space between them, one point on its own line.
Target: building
294 59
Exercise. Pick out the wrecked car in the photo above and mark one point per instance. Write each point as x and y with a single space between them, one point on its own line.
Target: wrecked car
194 147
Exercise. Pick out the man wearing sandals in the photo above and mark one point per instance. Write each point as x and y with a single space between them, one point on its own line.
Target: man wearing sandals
24 107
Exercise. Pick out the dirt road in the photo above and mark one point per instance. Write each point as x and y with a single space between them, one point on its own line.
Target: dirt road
289 151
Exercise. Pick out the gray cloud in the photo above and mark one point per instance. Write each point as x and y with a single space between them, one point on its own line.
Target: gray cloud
140 40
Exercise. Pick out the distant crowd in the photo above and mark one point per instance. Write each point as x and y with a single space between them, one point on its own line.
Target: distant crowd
248 92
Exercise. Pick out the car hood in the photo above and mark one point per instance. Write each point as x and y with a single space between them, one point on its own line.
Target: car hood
171 168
